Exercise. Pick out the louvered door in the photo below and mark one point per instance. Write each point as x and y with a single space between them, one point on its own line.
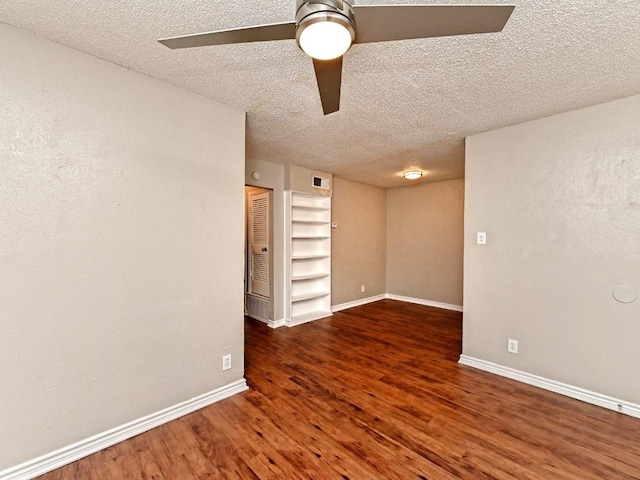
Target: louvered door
259 264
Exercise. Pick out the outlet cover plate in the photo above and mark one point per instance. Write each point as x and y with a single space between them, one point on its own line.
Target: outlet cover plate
226 362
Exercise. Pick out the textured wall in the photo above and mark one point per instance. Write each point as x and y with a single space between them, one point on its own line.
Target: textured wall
121 239
560 201
425 241
358 245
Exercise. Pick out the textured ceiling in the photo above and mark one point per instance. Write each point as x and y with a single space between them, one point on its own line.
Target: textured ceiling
404 104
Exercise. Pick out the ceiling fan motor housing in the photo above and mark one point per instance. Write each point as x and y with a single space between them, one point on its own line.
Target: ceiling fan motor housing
309 12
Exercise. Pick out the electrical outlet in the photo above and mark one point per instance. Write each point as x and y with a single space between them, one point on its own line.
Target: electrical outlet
362 289
226 362
512 346
482 238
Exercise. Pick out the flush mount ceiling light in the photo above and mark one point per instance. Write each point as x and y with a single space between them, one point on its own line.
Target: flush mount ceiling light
412 174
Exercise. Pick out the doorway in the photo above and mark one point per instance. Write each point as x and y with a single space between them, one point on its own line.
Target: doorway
258 271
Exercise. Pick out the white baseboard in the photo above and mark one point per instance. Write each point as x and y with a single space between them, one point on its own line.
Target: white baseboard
571 391
276 323
67 455
391 296
428 303
357 303
294 322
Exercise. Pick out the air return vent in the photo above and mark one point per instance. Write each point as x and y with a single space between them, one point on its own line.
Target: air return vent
320 182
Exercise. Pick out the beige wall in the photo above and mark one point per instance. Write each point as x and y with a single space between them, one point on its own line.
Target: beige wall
358 245
121 220
425 241
559 199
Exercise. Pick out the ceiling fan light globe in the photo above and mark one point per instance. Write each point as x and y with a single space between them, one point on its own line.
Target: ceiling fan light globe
325 40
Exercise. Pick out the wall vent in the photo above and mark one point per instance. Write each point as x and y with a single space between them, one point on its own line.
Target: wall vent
320 182
258 307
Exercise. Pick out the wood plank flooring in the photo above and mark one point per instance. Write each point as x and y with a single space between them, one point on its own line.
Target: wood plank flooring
375 392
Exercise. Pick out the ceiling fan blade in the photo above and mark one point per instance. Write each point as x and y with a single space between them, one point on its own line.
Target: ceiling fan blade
259 33
329 77
401 22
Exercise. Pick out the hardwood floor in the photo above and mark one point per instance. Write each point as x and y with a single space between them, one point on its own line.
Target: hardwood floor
375 392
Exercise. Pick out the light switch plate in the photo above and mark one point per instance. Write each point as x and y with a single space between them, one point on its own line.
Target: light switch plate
482 238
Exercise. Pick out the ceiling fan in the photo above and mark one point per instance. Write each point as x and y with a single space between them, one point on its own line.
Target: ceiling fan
326 29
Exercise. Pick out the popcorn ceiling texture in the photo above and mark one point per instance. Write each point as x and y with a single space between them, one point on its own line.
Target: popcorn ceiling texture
404 104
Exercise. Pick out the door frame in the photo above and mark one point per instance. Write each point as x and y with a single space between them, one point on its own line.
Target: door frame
248 190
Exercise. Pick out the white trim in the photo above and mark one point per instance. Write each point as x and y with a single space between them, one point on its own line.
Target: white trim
428 303
571 391
357 303
287 256
276 323
64 456
294 322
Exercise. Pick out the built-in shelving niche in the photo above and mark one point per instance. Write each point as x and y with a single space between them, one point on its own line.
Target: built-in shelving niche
309 257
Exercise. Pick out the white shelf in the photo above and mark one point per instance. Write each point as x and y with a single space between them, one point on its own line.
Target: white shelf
308 296
312 222
309 237
310 316
309 257
311 276
310 207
